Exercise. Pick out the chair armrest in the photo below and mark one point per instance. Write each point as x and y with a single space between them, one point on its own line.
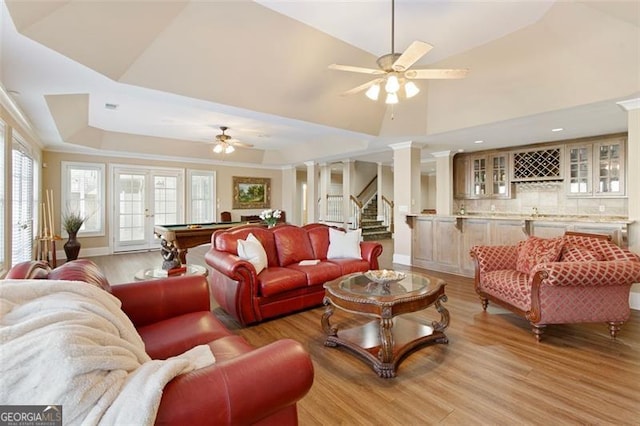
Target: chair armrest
31 269
242 390
588 274
370 251
494 258
147 302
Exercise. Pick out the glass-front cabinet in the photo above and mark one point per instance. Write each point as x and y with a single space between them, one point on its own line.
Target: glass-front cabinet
597 169
610 168
488 176
579 177
479 176
499 176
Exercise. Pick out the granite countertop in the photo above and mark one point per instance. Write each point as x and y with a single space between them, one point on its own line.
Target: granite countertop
541 217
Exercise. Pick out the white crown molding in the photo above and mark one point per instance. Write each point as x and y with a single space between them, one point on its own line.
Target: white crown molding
441 154
629 104
405 145
157 157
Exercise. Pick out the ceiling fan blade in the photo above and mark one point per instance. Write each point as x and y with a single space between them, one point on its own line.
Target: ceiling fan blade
414 52
362 87
355 69
436 73
241 144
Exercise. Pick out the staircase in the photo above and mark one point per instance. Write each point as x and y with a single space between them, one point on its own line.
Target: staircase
372 228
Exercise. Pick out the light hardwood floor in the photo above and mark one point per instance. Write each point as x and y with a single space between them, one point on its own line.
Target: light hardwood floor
492 371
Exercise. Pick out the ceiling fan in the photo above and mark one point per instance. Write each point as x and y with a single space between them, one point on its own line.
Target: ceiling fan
225 143
395 70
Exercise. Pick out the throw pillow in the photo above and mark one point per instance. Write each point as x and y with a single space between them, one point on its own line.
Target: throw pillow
538 250
576 253
251 250
344 245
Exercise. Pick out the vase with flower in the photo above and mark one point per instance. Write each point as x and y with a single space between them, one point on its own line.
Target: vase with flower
72 222
270 217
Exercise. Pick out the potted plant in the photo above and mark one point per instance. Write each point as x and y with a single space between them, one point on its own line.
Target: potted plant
72 222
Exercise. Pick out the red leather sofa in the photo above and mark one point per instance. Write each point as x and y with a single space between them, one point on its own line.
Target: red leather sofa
245 385
284 286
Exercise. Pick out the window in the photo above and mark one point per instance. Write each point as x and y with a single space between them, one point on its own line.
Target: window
22 205
83 192
2 205
201 193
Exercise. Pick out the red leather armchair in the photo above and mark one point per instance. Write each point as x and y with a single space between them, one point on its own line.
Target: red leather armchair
245 385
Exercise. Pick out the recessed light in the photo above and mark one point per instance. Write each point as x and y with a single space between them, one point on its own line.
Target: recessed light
461 150
478 141
557 129
110 106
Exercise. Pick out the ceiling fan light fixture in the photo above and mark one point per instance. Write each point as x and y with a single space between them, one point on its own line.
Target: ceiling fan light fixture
218 148
373 92
410 89
393 85
229 149
392 98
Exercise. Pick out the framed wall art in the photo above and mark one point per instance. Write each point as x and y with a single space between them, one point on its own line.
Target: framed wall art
251 193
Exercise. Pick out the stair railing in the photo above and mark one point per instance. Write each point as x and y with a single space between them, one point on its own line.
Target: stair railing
387 213
369 192
335 208
355 212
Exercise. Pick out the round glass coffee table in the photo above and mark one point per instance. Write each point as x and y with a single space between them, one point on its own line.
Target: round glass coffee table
387 340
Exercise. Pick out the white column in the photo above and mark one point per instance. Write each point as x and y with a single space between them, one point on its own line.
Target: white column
406 193
312 191
289 191
325 181
633 185
379 191
444 184
348 169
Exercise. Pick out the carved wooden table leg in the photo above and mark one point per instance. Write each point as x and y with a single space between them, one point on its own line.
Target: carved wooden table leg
386 368
326 326
444 315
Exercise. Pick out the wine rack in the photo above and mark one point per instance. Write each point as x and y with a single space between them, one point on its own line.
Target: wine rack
538 165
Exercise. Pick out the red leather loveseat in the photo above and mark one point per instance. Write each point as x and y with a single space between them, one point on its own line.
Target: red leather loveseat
245 385
284 286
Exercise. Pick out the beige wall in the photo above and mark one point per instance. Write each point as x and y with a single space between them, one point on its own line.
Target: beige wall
428 188
51 178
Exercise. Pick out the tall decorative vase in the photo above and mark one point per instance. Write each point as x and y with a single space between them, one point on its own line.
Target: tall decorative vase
72 247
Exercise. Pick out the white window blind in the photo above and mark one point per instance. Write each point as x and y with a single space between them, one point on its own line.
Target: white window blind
22 205
2 197
201 187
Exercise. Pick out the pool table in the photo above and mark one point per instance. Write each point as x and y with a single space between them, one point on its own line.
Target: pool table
183 237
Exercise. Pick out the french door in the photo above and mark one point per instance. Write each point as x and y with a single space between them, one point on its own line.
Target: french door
143 198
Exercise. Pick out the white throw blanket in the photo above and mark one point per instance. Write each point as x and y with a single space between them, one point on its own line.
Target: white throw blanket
69 343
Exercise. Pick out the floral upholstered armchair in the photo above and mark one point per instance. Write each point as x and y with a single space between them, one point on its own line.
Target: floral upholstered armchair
576 278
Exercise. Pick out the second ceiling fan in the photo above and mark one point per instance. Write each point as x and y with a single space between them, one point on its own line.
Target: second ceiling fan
395 73
226 144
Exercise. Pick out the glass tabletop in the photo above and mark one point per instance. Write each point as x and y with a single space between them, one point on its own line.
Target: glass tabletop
360 285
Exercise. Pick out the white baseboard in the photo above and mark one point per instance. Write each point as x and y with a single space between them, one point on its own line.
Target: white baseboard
402 259
85 252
